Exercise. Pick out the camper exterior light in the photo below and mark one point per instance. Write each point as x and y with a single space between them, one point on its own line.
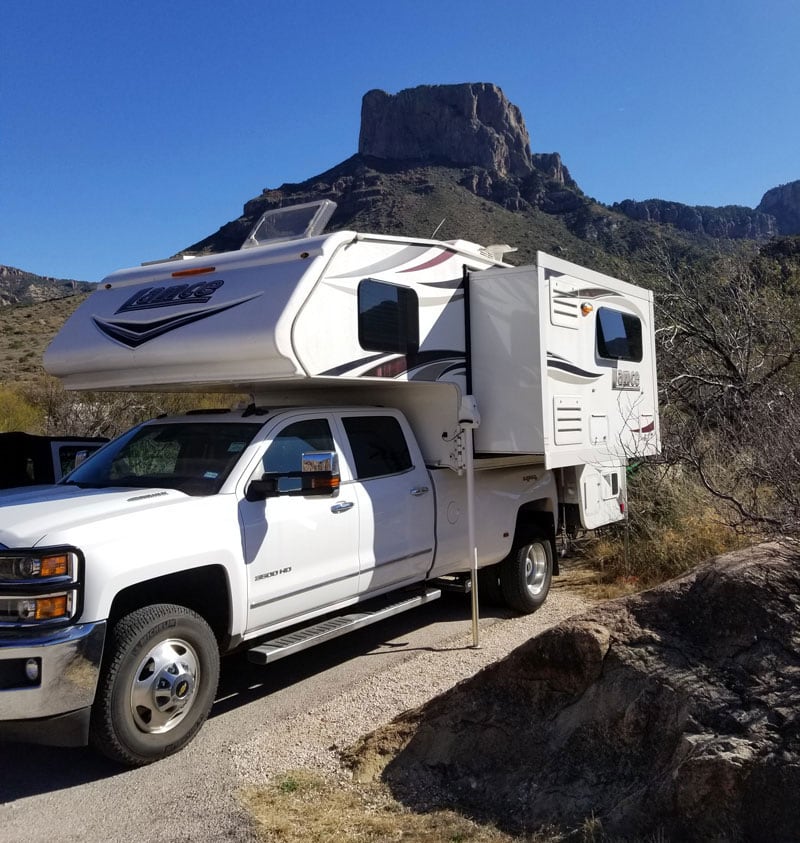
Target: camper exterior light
201 270
586 308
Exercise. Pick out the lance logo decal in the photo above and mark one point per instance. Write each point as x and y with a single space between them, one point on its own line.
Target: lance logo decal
133 332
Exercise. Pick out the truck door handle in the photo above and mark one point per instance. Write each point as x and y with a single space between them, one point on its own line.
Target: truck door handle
342 506
418 491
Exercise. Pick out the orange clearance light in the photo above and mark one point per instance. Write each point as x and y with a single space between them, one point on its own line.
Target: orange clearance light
55 566
200 270
49 608
586 308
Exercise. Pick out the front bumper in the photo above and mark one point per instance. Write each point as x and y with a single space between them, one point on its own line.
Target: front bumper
54 707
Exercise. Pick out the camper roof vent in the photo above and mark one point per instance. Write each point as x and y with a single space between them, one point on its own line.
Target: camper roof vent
293 223
497 251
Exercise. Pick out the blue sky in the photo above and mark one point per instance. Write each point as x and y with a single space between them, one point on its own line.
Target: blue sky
131 130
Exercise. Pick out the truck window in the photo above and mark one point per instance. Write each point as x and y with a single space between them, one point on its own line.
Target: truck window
193 457
287 448
619 335
378 444
388 317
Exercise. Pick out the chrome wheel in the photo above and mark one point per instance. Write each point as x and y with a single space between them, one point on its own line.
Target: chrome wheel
525 575
537 569
164 685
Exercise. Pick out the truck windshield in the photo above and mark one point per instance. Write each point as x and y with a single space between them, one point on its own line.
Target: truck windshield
193 457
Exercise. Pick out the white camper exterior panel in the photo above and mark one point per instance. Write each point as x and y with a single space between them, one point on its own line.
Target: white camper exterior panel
507 361
553 370
326 333
220 320
600 392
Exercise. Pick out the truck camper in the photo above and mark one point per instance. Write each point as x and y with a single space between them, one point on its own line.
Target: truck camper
420 413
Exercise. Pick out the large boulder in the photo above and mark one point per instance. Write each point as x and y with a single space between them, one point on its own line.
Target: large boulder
673 712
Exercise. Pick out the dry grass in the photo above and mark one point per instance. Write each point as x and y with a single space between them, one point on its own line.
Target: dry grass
302 807
673 526
25 331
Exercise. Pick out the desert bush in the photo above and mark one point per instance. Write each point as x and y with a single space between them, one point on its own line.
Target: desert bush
729 369
17 412
672 525
110 413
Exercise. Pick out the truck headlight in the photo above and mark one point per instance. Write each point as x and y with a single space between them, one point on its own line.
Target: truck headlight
48 608
40 585
16 568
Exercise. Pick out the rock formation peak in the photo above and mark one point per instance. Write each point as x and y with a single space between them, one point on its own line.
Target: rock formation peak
465 124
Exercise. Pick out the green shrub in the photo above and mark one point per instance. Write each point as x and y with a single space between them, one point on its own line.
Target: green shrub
16 413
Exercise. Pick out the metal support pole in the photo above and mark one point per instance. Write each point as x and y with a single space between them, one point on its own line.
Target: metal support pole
473 548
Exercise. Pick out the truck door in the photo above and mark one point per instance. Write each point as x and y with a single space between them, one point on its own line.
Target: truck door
395 500
301 552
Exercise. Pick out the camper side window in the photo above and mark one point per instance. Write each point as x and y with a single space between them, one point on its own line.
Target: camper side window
388 317
378 444
619 335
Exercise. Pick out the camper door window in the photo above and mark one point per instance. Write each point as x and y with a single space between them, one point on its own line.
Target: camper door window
619 335
388 317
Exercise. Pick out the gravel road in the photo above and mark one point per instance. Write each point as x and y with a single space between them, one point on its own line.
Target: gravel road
288 715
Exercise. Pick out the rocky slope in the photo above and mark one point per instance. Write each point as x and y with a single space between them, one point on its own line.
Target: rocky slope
675 712
20 287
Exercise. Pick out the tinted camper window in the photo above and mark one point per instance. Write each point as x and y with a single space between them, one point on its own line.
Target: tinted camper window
619 335
388 317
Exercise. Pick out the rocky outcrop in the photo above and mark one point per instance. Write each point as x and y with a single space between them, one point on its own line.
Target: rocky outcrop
469 124
20 287
673 713
731 221
783 203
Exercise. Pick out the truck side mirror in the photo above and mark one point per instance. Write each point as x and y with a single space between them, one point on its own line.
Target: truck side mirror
260 490
319 472
318 477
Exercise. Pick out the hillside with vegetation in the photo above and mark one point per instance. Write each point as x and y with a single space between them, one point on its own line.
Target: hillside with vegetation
20 287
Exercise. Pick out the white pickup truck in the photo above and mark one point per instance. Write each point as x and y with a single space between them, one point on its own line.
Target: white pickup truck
189 537
420 409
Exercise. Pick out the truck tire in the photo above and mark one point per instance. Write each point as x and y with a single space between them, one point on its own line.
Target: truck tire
525 575
158 683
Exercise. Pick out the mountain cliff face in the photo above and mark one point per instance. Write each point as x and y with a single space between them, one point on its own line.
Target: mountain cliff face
783 204
731 221
778 213
462 153
433 152
471 124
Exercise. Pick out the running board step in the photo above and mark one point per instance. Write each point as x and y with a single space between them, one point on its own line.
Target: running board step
301 639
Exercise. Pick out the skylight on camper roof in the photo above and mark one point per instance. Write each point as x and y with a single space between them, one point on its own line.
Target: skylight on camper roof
292 223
